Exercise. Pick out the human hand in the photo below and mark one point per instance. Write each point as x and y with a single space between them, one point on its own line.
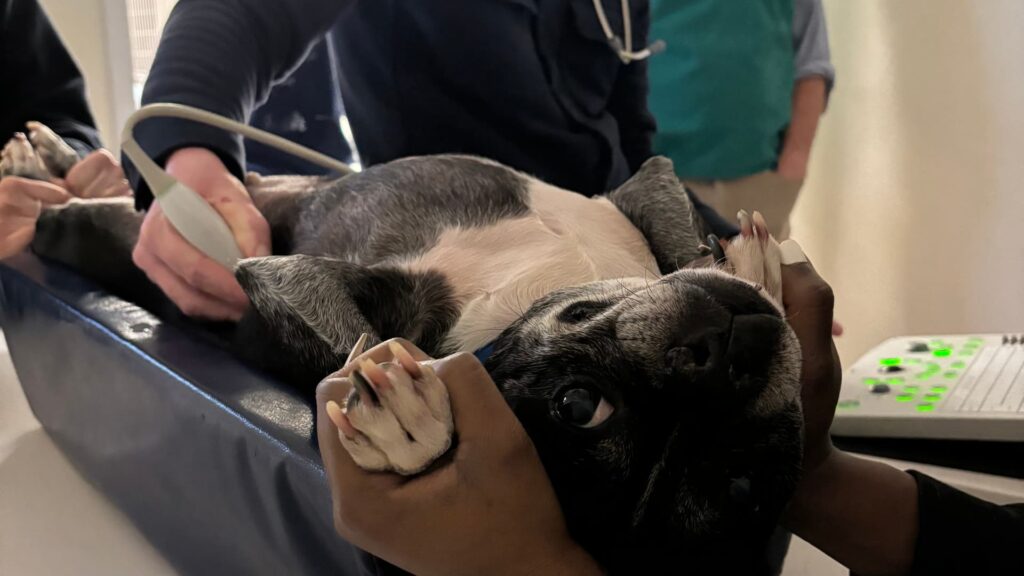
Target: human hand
99 175
809 304
486 508
21 202
197 284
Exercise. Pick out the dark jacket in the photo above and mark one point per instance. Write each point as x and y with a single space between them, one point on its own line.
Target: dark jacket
530 84
40 80
960 534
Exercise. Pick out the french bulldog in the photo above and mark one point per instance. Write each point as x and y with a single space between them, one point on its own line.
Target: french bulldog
659 384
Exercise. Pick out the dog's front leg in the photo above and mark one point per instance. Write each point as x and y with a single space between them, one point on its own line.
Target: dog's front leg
755 256
398 416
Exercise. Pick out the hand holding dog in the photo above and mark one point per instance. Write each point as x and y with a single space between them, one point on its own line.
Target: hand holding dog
99 175
21 202
485 504
809 304
199 286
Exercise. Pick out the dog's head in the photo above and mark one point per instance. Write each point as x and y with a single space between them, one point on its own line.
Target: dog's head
666 412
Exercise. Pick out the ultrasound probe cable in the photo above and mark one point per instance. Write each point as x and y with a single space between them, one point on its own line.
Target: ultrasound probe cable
192 216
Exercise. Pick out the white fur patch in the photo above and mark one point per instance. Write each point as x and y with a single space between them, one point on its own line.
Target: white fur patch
498 271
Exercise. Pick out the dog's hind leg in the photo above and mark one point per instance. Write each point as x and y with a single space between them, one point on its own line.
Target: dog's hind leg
18 158
55 153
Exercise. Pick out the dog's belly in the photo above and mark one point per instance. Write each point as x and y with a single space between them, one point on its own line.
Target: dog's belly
498 271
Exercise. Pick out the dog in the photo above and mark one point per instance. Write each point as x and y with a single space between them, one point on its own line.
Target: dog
660 387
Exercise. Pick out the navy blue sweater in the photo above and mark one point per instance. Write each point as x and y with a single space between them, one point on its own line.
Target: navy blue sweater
529 83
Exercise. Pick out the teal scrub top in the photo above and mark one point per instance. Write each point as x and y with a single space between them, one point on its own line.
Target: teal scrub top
722 90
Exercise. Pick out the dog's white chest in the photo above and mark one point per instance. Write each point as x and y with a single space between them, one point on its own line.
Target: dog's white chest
498 271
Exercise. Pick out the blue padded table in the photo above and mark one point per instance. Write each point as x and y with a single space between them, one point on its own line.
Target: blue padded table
213 462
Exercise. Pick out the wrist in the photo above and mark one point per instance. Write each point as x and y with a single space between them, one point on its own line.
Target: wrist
567 560
185 160
818 480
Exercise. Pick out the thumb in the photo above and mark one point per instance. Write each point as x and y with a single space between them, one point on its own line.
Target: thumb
45 192
807 298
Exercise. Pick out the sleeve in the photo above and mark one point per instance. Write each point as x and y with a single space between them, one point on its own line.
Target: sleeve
810 42
960 534
224 56
628 102
42 82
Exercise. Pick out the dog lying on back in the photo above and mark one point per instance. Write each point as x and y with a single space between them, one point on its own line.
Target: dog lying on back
661 392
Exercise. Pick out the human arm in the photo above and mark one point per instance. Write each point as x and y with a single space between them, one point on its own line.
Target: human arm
873 518
815 77
488 508
222 57
41 81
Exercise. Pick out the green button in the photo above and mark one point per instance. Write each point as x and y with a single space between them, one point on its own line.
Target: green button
925 375
895 381
959 365
940 389
951 374
849 404
871 381
934 367
975 339
942 352
911 389
933 397
912 360
926 407
904 397
890 361
967 352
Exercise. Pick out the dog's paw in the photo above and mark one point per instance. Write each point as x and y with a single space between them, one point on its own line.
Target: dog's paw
19 159
398 416
57 156
755 256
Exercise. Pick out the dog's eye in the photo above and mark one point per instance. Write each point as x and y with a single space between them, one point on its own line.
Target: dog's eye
583 407
581 311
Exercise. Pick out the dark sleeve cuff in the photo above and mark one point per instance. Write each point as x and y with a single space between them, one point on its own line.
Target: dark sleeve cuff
713 220
161 137
961 534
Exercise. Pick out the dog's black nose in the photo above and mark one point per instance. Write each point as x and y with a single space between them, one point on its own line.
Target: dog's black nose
726 355
701 348
752 343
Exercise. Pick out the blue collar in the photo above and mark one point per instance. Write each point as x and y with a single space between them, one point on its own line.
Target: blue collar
484 353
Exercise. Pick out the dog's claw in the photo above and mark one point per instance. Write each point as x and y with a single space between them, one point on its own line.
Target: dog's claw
358 348
363 389
760 227
746 228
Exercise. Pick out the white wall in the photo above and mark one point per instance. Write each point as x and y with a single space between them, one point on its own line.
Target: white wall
95 32
914 202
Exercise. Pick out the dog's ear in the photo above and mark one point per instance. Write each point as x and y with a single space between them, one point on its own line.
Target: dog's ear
655 201
317 308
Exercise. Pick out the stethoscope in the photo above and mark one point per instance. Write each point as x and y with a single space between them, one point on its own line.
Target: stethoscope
623 48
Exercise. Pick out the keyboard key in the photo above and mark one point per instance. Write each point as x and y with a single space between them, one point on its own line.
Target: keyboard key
969 379
987 380
1005 380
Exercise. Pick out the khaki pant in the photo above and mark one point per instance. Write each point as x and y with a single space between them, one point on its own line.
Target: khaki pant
767 192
